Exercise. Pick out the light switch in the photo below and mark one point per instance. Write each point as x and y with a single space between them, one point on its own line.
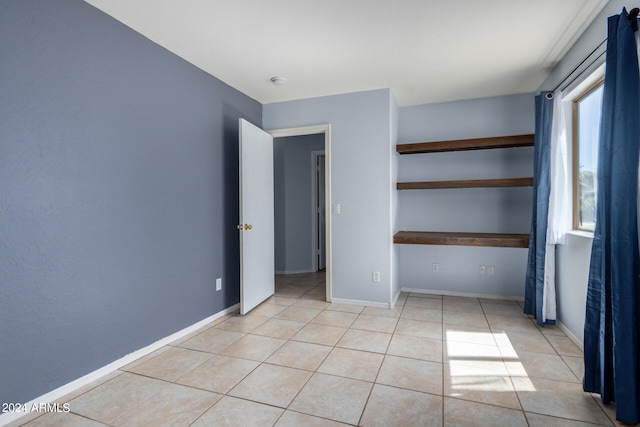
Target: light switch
336 208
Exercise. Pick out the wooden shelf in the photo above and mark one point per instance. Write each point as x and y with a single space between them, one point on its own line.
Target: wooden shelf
467 183
466 144
501 240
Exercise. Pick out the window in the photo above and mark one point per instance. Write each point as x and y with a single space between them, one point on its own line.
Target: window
587 108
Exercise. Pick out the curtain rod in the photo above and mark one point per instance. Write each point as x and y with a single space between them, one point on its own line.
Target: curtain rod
633 19
549 94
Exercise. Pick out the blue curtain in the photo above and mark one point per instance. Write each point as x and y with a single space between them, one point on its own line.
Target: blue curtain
534 285
612 320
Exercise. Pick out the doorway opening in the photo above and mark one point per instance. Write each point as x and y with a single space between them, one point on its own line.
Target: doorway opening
301 193
319 209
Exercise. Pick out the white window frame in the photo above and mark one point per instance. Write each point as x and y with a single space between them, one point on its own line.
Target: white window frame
573 93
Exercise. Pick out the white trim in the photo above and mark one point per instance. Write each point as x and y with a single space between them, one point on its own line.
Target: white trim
74 385
569 95
360 302
570 335
462 294
315 154
573 31
295 272
311 130
394 300
581 233
576 89
299 131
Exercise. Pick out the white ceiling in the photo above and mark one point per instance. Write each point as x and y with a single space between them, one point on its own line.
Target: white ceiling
426 51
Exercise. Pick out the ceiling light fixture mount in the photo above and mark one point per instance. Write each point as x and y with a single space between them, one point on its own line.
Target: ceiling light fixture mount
278 81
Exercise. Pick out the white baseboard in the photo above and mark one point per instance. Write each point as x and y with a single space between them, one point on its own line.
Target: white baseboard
423 291
360 302
463 294
294 272
60 392
570 334
395 299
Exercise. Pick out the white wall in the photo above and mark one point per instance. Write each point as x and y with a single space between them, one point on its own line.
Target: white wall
294 202
572 259
480 210
361 237
572 273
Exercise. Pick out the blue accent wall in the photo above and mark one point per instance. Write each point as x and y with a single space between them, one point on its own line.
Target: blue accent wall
118 193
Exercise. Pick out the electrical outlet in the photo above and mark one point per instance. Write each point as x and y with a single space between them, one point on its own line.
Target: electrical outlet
482 269
376 276
219 284
490 270
435 267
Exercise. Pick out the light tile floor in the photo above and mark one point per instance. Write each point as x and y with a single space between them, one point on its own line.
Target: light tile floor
297 360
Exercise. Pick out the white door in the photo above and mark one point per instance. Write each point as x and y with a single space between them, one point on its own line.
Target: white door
256 216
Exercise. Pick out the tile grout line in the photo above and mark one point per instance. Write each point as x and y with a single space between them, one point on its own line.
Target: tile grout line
324 359
384 357
264 362
515 390
315 371
613 422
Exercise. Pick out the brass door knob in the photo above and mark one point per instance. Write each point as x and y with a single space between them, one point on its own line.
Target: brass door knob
239 227
248 226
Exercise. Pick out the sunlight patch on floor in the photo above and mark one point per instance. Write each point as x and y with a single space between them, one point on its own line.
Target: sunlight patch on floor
481 362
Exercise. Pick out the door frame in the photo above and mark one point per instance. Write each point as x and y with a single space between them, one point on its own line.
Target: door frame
313 130
315 155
